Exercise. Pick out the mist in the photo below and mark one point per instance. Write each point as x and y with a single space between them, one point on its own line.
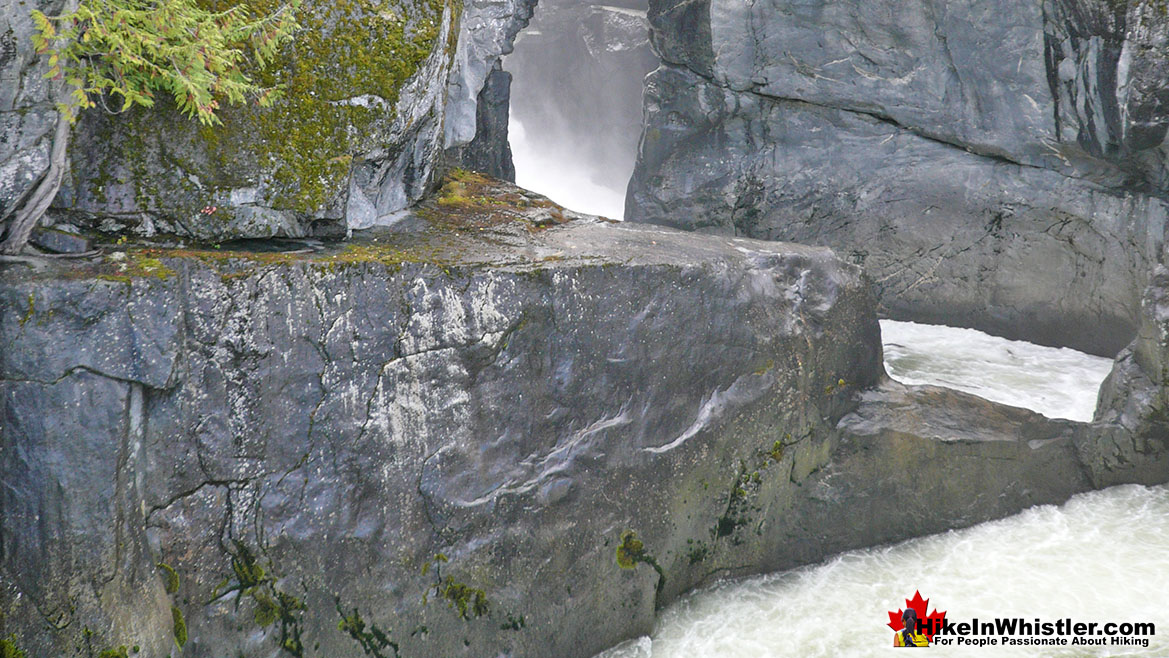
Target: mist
576 95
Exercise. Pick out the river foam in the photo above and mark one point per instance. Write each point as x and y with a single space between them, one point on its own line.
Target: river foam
1101 557
1056 382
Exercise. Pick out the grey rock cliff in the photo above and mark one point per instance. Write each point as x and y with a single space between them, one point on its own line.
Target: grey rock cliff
27 107
489 152
372 97
487 32
996 165
503 430
514 399
353 140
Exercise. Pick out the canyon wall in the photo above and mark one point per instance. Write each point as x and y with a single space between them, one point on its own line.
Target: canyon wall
990 164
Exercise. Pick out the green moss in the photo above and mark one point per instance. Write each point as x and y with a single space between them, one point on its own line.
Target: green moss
348 49
513 623
696 551
135 264
775 454
180 626
120 652
257 584
374 641
738 506
469 201
170 577
300 151
32 308
267 611
9 648
631 551
466 600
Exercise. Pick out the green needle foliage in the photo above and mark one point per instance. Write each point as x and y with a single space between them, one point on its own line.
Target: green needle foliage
122 52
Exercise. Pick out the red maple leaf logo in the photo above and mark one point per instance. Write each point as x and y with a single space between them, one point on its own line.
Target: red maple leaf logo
930 623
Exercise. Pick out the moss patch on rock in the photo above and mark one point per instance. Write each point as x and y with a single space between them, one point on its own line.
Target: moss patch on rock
9 648
470 201
179 627
170 577
341 76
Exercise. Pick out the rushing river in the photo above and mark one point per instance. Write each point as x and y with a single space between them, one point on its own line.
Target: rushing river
1102 557
1056 382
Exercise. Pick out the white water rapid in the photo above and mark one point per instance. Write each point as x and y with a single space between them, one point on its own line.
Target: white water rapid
1102 557
1056 382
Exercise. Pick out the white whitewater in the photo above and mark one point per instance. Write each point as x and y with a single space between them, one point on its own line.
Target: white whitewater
1056 382
1102 557
541 168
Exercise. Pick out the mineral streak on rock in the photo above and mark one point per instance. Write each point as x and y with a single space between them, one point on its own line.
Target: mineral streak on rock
499 428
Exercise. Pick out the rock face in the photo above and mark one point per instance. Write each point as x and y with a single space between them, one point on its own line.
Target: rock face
444 435
579 72
1134 401
997 165
489 152
502 429
373 94
27 108
487 31
353 140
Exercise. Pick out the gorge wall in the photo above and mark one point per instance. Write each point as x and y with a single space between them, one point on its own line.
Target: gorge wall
373 94
447 432
990 164
502 428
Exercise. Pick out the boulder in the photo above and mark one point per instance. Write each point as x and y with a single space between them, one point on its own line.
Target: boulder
993 165
504 429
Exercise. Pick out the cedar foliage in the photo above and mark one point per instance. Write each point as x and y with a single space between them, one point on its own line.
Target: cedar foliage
124 51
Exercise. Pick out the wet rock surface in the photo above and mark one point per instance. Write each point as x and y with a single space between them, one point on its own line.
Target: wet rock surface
444 433
497 428
993 164
487 32
354 138
489 152
28 112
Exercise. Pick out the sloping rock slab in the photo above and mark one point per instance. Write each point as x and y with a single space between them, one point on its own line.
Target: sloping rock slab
453 437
